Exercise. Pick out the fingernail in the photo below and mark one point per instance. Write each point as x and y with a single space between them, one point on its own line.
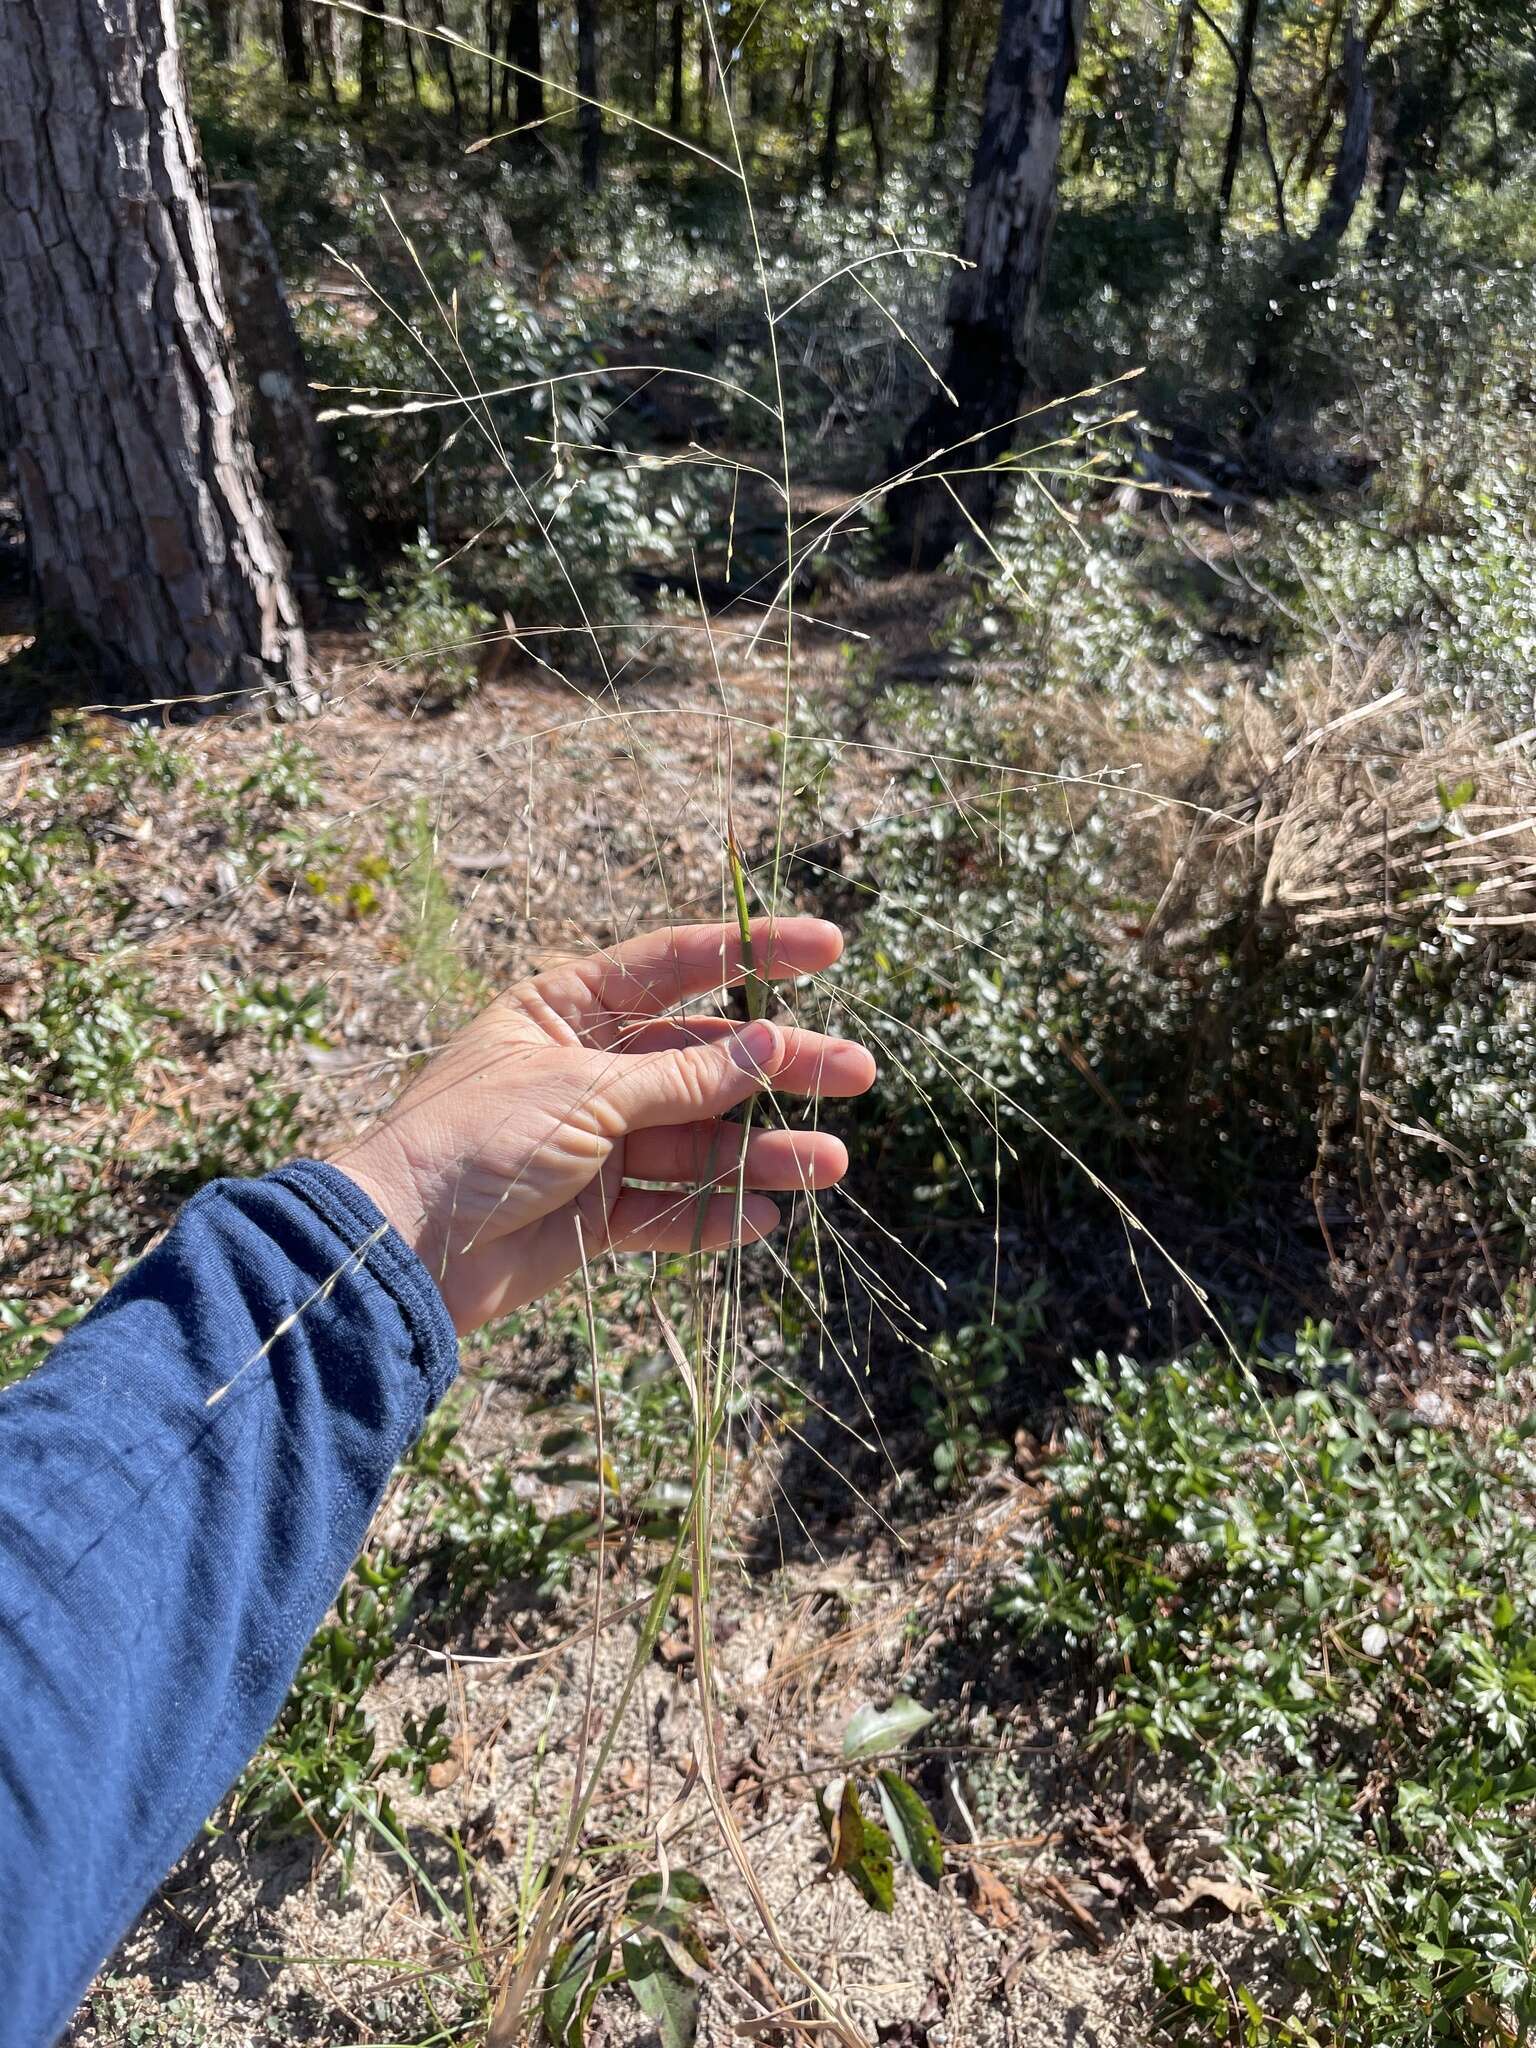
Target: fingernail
755 1049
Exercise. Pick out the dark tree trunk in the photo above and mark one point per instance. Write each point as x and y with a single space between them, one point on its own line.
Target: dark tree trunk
295 42
1176 111
675 40
1009 213
325 53
525 50
706 85
1392 174
589 119
837 94
408 38
1309 262
220 45
873 79
370 59
1233 155
139 491
491 66
297 465
442 55
1170 107
943 70
653 57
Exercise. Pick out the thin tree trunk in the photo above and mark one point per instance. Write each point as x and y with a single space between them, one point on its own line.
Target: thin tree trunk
589 119
1009 214
1182 29
442 52
873 76
1176 111
837 94
297 465
1309 262
525 50
490 65
1233 154
653 56
1392 176
943 71
295 42
675 99
370 52
219 43
706 85
139 491
325 53
408 38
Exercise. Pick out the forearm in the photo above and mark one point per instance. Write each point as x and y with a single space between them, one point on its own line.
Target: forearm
167 1550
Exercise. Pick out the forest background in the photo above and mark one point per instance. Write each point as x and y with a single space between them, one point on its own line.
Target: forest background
1051 487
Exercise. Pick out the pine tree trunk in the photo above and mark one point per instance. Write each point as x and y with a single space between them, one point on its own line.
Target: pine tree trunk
589 119
1233 154
837 94
675 99
943 71
219 40
706 85
370 52
442 55
1009 214
525 50
139 491
295 42
873 82
297 465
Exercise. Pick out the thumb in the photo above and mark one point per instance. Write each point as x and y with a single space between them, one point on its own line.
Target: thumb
694 1081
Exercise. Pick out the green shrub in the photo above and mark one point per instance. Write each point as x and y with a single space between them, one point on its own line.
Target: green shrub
419 624
1328 1616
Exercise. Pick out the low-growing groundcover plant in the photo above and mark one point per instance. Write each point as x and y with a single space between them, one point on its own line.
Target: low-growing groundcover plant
1327 1613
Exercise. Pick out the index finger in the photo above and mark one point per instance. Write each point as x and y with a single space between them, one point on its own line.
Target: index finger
651 974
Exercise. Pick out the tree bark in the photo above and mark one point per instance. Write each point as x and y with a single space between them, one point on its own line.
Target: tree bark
1167 114
139 491
370 54
297 465
525 50
1233 154
873 76
219 40
837 93
675 100
943 71
1009 214
589 119
442 55
706 85
324 41
295 42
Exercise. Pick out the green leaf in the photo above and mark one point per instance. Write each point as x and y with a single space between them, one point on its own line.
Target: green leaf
571 1984
917 1840
874 1729
681 1885
860 1847
661 1991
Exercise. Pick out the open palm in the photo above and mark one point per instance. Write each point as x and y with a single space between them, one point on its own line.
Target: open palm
518 1150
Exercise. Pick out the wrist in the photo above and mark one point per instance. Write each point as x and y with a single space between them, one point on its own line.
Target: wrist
377 1164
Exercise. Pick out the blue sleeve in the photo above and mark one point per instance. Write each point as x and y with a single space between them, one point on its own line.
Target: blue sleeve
164 1562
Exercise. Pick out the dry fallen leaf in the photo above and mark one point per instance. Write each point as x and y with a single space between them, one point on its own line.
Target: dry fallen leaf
1209 1891
988 1897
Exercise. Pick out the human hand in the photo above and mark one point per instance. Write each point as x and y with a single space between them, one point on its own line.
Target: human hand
510 1157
